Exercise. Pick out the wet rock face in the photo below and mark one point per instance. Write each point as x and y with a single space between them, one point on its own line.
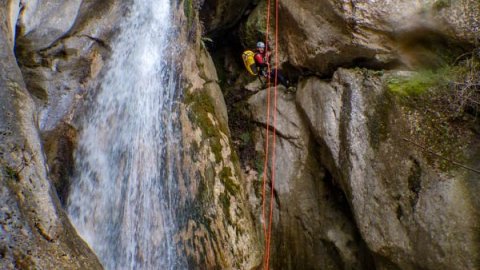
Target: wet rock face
59 145
59 66
61 73
217 230
34 231
42 22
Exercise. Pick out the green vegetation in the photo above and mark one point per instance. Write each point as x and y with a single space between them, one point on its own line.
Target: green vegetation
226 176
12 174
225 201
420 82
455 87
201 106
189 11
441 4
442 107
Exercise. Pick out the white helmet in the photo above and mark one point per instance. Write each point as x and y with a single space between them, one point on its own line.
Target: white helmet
260 45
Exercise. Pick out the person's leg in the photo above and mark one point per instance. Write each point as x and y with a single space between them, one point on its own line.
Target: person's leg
280 78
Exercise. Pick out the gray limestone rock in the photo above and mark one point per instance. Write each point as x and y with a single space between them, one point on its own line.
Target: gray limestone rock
323 35
42 22
34 231
410 213
312 224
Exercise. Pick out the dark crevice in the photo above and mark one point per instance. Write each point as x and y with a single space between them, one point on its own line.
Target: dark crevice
101 42
414 182
338 197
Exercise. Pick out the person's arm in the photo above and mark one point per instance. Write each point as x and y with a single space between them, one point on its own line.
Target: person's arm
259 60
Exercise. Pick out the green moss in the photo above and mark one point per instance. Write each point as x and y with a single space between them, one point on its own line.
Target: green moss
225 201
416 84
12 174
255 27
434 128
189 11
423 80
441 4
216 148
226 176
201 106
246 137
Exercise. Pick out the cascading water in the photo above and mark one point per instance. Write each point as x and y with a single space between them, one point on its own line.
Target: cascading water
123 197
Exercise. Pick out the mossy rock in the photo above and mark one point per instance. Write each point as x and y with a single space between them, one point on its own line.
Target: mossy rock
255 27
424 98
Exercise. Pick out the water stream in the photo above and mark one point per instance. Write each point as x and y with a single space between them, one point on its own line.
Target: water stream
122 200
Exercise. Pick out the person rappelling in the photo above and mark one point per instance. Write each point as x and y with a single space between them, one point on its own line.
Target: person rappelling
262 60
258 63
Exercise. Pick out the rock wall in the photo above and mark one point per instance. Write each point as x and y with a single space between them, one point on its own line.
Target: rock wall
320 36
411 214
61 49
218 231
365 178
313 226
357 186
35 232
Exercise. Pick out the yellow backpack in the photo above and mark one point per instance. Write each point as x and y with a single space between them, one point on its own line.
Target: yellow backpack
249 61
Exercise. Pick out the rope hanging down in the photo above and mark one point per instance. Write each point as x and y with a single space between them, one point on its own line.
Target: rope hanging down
265 163
268 230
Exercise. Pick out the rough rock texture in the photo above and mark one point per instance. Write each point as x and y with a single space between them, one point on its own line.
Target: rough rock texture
322 35
217 231
42 22
313 227
351 138
60 75
34 231
254 28
354 187
222 14
61 49
59 145
411 214
352 135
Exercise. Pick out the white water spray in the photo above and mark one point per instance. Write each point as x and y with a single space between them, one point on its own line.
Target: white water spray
122 199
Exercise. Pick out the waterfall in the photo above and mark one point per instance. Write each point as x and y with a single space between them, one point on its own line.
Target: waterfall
122 200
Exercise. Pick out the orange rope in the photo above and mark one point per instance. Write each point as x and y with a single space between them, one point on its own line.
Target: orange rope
274 139
265 164
269 233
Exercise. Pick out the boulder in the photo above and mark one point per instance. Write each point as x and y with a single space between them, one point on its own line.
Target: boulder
312 224
60 75
42 22
412 212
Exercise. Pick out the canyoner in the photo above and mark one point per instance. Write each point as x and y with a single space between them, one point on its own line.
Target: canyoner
257 63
